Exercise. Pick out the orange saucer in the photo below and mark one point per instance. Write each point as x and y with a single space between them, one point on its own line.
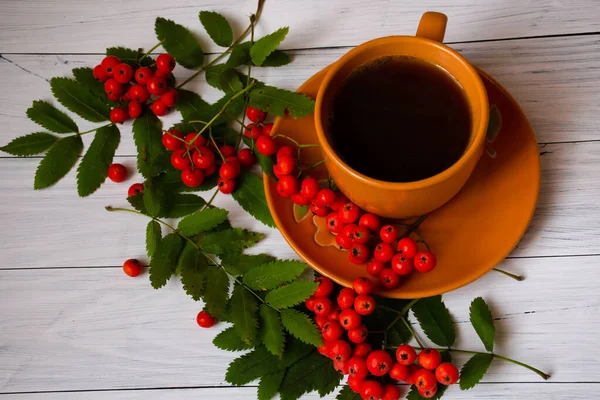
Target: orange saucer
470 235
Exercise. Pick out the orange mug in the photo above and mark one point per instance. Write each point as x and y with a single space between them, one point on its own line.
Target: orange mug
393 199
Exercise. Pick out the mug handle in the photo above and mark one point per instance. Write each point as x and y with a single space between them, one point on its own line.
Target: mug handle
432 26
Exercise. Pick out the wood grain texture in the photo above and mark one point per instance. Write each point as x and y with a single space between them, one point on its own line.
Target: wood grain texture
94 328
73 26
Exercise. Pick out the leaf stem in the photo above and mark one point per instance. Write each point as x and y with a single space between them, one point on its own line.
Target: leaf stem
212 139
211 199
412 331
515 277
150 51
95 129
403 311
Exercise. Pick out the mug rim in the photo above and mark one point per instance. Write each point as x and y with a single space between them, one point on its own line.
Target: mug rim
414 185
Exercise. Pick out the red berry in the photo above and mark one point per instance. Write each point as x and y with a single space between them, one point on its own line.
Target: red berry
135 189
371 390
355 383
375 267
341 367
319 211
361 234
325 287
402 265
170 97
142 75
350 319
132 267
179 159
340 350
350 213
406 355
226 186
357 366
253 131
332 330
113 97
321 321
203 158
342 241
389 279
334 221
235 163
123 73
425 261
362 350
134 109
287 186
111 86
348 231
424 379
286 165
266 145
428 394
326 348
383 252
117 173
358 253
192 178
227 150
363 285
138 93
391 392
388 233
325 197
165 63
118 115
196 141
412 370
277 171
358 335
228 170
429 358
255 115
210 170
162 74
399 372
346 298
407 247
205 320
309 188
156 85
379 362
285 151
297 198
339 202
310 303
246 157
171 140
364 304
267 128
159 108
446 374
99 73
323 306
334 315
109 63
369 221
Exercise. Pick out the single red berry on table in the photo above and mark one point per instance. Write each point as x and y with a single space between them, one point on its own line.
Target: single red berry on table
399 372
117 173
192 177
429 358
402 265
156 85
180 159
142 75
266 145
323 306
99 73
227 150
111 86
363 285
255 115
170 97
357 366
109 63
358 253
341 367
165 63
138 93
425 261
325 287
159 108
339 201
287 186
358 335
388 233
318 211
334 315
267 128
383 252
375 267
171 140
246 157
135 189
425 379
321 321
350 213
286 165
364 304
285 151
118 115
253 131
132 267
344 242
226 186
412 370
134 109
205 320
355 383
428 394
371 390
361 234
325 197
406 355
310 303
350 319
195 140
228 170
391 392
407 247
203 158
340 350
379 362
446 374
297 198
362 350
334 221
309 188
123 73
346 298
389 279
332 330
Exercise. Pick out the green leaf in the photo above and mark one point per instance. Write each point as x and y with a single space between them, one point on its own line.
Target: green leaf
347 394
187 249
226 135
153 237
314 372
30 145
230 81
230 340
179 42
234 108
170 181
58 161
474 369
483 322
217 292
240 55
266 162
292 294
129 56
277 58
217 28
414 394
271 332
250 194
193 273
435 320
49 117
381 319
230 241
266 45
301 326
252 366
85 76
277 101
179 205
165 260
243 308
192 107
201 221
79 99
240 264
152 157
269 385
152 198
93 168
272 275
213 75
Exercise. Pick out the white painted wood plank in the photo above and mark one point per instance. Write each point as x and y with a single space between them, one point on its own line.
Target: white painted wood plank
94 328
556 80
74 26
487 391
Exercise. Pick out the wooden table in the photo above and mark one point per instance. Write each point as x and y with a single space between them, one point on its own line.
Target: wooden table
73 327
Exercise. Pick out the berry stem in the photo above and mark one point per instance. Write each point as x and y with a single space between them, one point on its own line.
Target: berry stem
236 119
150 51
95 129
207 205
515 277
212 139
412 331
414 225
403 311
